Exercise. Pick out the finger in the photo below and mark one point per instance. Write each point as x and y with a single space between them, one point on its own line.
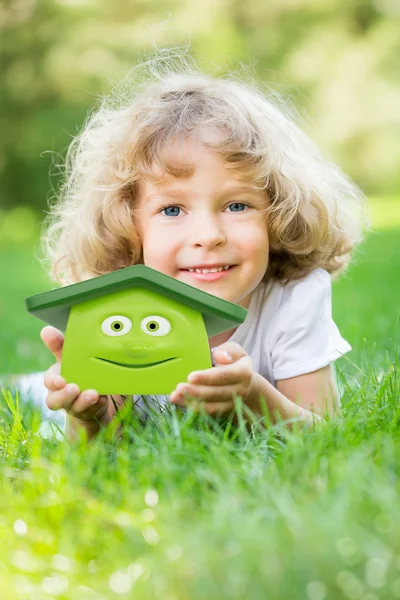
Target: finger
184 393
230 350
88 401
54 340
231 374
213 408
63 398
52 378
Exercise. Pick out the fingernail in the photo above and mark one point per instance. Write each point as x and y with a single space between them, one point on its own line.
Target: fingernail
71 388
226 354
223 352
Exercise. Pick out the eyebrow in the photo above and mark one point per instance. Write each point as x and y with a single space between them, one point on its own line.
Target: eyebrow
229 190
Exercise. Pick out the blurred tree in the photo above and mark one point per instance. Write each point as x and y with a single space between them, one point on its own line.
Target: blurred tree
339 62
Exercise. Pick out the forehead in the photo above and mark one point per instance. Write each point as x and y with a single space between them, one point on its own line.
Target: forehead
182 160
189 159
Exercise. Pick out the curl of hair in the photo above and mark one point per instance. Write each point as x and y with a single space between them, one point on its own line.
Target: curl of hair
315 215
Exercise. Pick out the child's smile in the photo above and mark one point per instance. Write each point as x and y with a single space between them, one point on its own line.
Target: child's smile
207 229
209 273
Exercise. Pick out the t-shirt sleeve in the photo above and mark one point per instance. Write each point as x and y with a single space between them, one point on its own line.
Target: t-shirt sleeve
305 337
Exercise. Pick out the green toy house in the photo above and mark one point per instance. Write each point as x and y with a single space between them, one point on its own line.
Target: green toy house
134 331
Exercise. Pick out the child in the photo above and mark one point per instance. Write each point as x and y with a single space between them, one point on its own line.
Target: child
209 181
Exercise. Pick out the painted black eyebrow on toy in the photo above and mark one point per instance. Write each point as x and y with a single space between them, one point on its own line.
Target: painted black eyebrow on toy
53 307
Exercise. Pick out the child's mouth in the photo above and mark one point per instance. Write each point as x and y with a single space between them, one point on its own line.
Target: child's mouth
209 276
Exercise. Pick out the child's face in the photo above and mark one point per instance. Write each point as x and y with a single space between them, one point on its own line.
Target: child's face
206 223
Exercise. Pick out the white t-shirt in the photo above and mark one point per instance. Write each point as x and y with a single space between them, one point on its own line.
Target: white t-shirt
288 330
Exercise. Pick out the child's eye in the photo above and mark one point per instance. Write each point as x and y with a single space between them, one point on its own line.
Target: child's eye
239 206
173 209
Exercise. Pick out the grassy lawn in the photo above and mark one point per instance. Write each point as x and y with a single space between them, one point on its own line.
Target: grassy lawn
185 509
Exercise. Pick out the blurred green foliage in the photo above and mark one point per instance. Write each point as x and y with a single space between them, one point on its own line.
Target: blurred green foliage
338 61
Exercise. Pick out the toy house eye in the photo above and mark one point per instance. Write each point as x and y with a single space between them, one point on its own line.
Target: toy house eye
116 325
155 325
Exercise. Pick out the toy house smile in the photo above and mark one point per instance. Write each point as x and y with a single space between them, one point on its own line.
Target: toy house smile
139 365
134 331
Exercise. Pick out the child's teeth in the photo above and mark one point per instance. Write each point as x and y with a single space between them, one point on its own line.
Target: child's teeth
205 271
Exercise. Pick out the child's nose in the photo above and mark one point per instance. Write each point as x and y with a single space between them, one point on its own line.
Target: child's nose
208 232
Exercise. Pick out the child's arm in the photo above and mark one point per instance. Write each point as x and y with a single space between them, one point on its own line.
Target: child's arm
308 396
316 391
233 374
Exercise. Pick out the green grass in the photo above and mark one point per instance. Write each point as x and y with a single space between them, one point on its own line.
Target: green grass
187 509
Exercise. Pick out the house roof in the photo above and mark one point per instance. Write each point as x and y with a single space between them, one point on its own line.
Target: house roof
53 307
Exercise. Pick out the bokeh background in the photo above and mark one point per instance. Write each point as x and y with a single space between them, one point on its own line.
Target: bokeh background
338 62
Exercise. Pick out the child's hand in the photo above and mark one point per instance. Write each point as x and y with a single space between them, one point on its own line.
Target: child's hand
86 406
233 374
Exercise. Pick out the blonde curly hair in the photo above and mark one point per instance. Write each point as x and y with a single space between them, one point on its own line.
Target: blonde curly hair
315 214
